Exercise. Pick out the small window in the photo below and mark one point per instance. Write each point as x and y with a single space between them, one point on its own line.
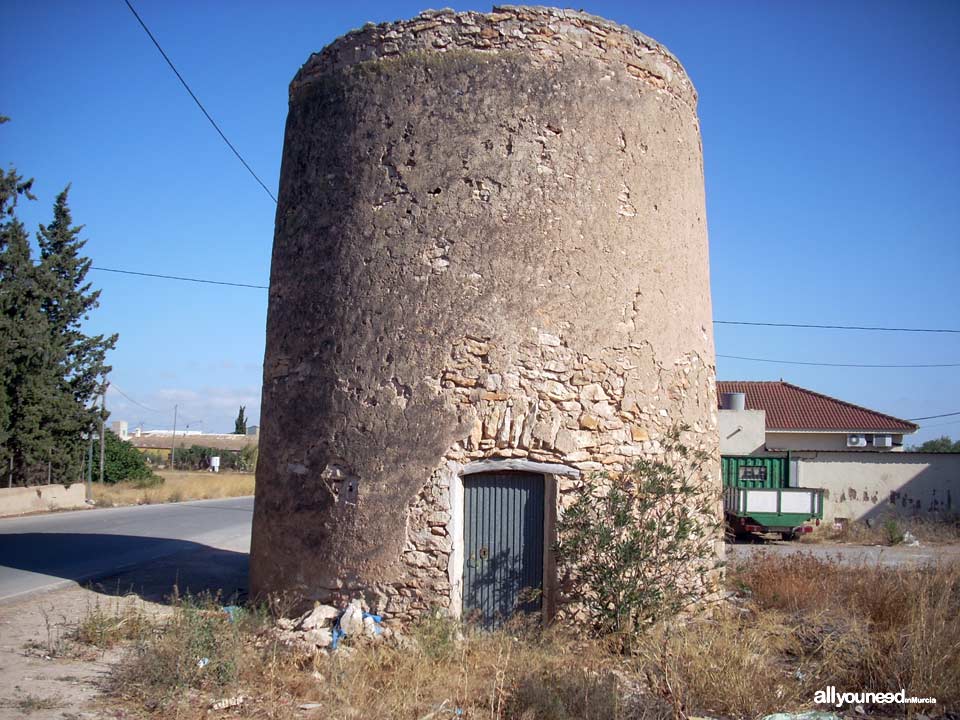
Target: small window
753 472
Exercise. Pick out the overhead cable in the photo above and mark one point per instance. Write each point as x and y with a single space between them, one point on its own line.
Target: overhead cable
837 327
932 417
848 365
197 101
113 386
177 277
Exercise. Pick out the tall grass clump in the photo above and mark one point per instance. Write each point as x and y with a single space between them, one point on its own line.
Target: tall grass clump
106 624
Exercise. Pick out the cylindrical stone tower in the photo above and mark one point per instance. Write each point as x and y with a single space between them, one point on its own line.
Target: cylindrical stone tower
490 254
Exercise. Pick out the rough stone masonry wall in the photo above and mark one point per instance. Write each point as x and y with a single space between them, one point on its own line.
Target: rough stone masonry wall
490 243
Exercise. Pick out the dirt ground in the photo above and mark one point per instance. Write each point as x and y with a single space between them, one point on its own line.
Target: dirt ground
45 677
39 681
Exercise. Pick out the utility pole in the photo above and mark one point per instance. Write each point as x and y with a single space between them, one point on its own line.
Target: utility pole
90 466
173 443
103 413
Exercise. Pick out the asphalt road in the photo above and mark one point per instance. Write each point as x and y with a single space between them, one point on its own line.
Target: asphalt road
201 545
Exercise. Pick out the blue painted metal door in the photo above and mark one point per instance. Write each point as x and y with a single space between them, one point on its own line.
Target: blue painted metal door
503 545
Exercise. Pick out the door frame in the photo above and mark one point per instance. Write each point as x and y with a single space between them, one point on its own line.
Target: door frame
551 473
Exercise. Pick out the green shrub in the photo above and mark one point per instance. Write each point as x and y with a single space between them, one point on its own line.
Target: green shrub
147 482
437 635
197 457
122 461
639 544
248 458
893 531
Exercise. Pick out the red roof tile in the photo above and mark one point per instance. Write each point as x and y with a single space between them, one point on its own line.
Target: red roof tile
789 407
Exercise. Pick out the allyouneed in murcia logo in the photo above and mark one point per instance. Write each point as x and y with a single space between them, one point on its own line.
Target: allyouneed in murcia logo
830 696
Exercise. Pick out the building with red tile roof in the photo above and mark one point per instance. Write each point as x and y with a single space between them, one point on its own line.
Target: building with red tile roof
799 419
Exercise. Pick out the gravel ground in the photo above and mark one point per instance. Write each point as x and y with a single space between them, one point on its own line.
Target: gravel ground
848 553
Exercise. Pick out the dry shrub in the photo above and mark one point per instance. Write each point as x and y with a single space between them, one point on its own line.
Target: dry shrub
732 665
198 647
564 694
869 627
933 529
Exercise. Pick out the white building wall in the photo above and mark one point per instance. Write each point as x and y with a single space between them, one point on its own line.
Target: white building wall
741 432
874 485
822 441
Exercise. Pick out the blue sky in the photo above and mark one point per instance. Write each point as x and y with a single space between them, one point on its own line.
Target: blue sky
831 151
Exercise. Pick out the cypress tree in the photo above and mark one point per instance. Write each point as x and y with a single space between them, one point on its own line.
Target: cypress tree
80 360
24 342
240 424
50 371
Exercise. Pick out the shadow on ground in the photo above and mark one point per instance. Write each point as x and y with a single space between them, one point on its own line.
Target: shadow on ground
156 569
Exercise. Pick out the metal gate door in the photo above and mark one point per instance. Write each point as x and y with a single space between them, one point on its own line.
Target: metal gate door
503 545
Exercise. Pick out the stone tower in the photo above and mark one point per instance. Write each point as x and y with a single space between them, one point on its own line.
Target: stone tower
490 256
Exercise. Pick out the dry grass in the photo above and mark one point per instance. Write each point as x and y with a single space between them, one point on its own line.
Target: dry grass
176 487
799 625
33 703
110 622
890 531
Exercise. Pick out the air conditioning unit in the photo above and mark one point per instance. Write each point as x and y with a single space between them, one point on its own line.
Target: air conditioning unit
882 441
856 440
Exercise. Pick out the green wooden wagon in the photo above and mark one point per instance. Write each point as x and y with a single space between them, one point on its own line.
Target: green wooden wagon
759 497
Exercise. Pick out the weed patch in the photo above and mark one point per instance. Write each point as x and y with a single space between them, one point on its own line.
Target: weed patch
34 703
107 625
891 530
794 626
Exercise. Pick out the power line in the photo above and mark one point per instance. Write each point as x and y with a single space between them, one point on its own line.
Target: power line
177 277
836 327
932 417
930 427
113 386
826 364
197 101
715 322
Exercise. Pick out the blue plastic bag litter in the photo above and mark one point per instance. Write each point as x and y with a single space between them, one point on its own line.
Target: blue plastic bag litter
337 633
